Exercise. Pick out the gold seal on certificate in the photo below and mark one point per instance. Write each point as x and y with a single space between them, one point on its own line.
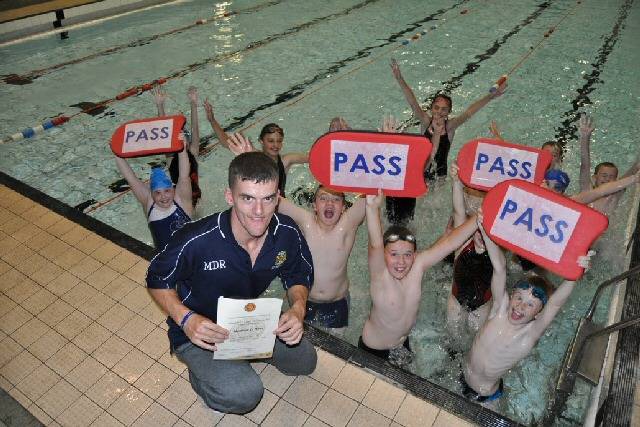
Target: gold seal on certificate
251 324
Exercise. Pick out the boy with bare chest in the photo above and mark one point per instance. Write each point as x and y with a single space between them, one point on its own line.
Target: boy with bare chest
395 270
515 324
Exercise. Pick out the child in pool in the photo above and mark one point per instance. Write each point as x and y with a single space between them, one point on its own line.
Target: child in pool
470 297
437 118
193 141
271 138
604 173
396 270
167 208
515 324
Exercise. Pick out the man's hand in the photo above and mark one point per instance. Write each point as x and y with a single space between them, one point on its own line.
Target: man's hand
501 89
453 171
584 261
204 333
290 327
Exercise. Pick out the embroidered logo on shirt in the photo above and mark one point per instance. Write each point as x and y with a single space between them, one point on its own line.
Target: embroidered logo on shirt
280 259
250 307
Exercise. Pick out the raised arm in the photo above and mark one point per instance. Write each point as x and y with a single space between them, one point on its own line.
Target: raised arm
139 188
300 215
475 107
459 212
194 145
376 242
290 159
354 216
444 246
558 298
635 167
183 186
499 263
422 115
495 130
585 129
603 190
159 98
219 131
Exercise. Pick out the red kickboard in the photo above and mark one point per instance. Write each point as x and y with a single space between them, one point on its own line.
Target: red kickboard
544 227
362 162
485 162
147 137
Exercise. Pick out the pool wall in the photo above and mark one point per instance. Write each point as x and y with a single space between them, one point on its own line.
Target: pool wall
56 15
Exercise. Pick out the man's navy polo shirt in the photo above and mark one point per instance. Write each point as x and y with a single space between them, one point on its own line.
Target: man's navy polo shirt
203 261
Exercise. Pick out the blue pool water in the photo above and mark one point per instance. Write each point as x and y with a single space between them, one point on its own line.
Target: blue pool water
299 65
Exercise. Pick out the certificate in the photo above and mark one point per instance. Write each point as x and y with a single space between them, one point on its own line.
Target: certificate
251 324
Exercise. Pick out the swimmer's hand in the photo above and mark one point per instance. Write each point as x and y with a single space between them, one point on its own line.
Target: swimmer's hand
208 109
204 333
338 124
290 327
238 144
479 219
375 201
159 95
585 261
586 126
389 125
453 171
395 69
192 94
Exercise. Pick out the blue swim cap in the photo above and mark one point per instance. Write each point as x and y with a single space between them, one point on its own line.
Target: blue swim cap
159 179
536 291
561 178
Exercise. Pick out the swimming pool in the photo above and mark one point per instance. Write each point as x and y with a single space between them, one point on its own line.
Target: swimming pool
299 66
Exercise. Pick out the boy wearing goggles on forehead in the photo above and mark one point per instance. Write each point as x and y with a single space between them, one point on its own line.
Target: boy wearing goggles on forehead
515 324
395 270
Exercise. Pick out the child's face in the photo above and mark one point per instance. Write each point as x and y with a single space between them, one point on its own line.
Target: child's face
272 143
399 257
328 206
605 174
163 197
440 109
523 307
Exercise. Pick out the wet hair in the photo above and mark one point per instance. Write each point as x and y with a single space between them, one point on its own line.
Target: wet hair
330 191
271 128
443 96
605 165
398 232
556 146
536 282
253 166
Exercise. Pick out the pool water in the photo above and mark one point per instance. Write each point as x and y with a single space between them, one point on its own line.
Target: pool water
299 66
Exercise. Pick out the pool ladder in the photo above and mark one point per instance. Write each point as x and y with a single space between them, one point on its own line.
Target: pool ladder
587 366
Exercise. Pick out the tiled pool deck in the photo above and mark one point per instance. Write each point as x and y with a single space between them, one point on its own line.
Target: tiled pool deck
82 343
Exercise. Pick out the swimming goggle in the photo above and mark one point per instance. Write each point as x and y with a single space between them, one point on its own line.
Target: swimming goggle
536 291
391 238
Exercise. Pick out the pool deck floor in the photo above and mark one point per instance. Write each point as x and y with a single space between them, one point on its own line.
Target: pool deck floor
82 344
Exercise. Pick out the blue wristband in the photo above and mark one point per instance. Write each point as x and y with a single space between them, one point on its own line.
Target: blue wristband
185 318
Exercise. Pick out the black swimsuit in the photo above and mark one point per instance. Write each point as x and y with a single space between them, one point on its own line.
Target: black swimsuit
282 176
441 155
